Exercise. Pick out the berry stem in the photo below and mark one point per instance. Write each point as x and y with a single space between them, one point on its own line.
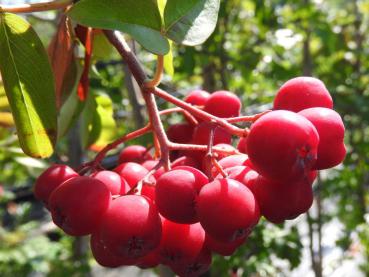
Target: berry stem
36 7
155 81
209 153
218 167
135 134
186 114
197 147
247 118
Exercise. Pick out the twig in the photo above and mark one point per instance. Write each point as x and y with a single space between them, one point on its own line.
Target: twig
209 153
158 74
247 118
218 167
197 147
36 7
118 41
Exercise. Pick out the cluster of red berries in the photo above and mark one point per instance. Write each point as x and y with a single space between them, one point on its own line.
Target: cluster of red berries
182 216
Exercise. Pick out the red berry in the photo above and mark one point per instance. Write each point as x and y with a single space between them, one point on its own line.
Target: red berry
103 255
280 201
223 104
199 175
134 153
150 164
224 146
50 179
79 204
131 227
196 268
227 210
283 145
201 134
223 248
331 150
180 132
112 180
233 160
237 173
183 187
181 243
185 161
132 172
150 260
242 146
148 191
197 97
301 93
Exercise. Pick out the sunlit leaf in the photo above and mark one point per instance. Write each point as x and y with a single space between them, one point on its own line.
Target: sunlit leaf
29 85
168 62
190 22
161 6
138 18
99 127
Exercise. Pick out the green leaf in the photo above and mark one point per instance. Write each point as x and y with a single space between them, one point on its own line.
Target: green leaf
168 61
190 22
102 48
107 130
87 120
138 18
29 85
98 124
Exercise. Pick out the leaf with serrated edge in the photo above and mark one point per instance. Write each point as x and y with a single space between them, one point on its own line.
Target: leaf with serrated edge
138 18
190 22
29 85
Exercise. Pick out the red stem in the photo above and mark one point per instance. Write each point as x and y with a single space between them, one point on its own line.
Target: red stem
209 154
197 147
186 114
218 167
101 155
247 118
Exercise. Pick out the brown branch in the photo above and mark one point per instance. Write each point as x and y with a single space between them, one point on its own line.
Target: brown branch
118 41
36 7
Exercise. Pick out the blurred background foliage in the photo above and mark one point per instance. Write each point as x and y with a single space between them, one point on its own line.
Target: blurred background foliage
257 45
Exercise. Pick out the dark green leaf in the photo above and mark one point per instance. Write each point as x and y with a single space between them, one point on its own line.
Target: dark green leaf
29 85
138 18
190 22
